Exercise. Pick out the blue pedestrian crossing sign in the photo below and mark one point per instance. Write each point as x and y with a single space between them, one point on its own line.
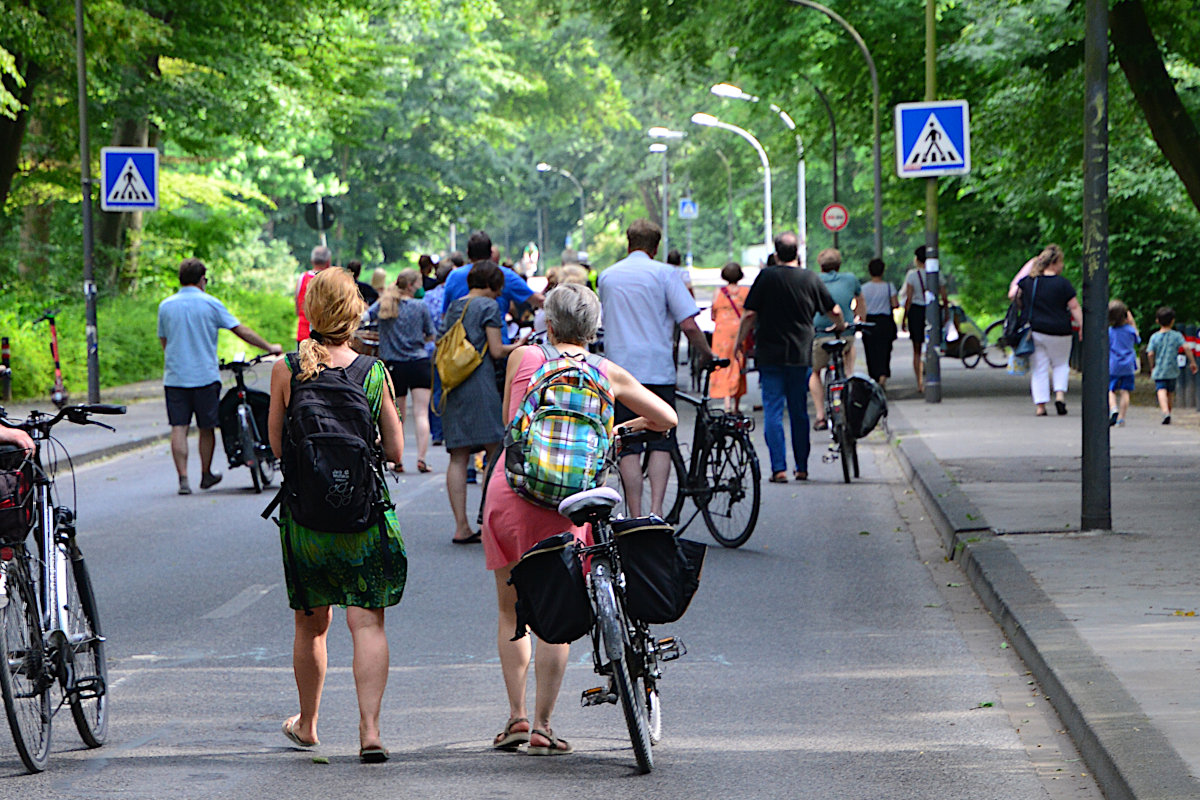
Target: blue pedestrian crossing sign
933 139
688 208
129 179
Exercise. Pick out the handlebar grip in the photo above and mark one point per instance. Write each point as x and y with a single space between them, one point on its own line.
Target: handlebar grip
103 408
719 363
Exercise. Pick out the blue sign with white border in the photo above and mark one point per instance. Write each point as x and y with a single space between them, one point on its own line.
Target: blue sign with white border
688 208
933 139
129 179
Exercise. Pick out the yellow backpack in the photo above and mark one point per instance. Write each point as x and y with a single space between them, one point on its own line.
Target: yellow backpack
455 358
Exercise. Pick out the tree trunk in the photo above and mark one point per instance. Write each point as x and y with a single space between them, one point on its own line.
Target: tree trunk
1142 62
652 199
12 131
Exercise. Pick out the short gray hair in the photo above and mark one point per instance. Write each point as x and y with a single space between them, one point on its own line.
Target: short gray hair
573 311
321 255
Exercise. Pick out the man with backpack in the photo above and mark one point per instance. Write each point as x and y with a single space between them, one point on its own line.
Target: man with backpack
188 323
643 300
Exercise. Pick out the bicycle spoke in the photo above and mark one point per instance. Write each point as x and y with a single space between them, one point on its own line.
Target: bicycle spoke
732 472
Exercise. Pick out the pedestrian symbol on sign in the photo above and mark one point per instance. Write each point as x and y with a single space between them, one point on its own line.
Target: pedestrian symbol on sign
130 187
933 146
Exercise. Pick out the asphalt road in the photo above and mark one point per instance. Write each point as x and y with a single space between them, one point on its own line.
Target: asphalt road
833 656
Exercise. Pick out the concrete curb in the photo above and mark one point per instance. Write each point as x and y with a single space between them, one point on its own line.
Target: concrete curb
1130 758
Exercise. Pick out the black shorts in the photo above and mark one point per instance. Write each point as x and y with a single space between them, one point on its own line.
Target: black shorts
623 414
916 324
202 401
410 375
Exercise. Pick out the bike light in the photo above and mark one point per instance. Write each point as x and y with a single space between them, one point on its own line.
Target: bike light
6 554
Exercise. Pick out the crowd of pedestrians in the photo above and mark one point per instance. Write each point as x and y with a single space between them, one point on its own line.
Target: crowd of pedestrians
777 324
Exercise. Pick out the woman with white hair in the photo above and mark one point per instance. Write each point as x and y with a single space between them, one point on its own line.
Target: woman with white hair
512 524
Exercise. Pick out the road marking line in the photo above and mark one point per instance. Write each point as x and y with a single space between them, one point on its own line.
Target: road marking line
239 603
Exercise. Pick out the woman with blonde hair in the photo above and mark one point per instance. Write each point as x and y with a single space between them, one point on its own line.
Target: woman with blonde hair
405 326
364 572
1053 307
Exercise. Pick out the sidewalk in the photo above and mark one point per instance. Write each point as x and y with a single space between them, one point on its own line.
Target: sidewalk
1102 620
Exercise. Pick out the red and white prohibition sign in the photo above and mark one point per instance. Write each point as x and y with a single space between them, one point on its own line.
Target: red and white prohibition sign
835 217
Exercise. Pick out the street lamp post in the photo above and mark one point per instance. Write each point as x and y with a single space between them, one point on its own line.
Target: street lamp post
659 132
544 167
862 46
708 120
731 91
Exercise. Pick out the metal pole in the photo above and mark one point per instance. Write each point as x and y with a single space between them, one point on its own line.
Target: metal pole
801 210
933 308
541 235
85 170
665 206
728 198
1096 483
862 46
321 223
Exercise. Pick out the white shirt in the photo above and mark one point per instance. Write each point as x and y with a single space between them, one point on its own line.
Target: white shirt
643 300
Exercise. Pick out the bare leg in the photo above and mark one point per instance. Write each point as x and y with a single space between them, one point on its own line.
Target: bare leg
1164 403
631 482
817 390
660 472
309 660
551 665
421 412
456 489
370 669
1170 402
179 448
1123 404
918 366
208 443
514 656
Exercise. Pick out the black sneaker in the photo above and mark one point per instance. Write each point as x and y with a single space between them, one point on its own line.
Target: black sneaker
1166 419
1112 417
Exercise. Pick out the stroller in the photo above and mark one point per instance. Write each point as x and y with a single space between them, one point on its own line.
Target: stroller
964 339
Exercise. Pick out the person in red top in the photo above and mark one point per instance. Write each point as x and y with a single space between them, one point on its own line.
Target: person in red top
321 258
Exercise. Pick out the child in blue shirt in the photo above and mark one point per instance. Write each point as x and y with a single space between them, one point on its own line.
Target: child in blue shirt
1123 340
1163 354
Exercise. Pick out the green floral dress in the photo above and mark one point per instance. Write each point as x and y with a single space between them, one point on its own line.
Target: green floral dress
367 569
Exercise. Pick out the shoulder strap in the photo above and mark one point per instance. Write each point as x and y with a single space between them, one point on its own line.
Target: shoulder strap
549 350
359 368
736 310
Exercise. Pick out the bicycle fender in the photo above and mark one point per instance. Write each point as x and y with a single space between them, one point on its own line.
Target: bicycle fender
606 614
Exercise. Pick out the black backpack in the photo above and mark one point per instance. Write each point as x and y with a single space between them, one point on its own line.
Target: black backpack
332 470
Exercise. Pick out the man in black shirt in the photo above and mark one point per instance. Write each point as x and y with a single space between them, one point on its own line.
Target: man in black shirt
780 309
366 290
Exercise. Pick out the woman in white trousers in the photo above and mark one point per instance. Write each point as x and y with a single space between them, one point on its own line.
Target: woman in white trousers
1054 307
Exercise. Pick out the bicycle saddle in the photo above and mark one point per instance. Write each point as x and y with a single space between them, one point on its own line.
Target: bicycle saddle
834 345
590 505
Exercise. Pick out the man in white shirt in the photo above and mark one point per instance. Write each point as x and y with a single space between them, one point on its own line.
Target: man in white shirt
643 300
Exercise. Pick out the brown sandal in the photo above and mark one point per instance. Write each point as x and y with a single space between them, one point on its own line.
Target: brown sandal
422 466
554 749
779 477
508 739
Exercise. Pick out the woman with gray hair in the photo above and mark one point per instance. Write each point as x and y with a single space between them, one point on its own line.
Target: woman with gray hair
512 524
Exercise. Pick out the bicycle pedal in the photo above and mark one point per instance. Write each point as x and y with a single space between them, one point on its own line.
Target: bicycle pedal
89 688
669 648
598 696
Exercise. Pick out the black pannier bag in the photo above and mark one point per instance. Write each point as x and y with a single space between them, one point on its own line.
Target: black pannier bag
662 571
552 599
260 407
16 494
866 403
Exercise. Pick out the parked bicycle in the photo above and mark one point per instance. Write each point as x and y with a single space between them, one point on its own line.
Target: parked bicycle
50 622
995 348
722 475
243 418
844 411
623 649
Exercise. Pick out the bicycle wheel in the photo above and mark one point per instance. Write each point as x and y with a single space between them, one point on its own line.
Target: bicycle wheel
672 499
616 645
846 448
994 353
972 350
654 714
267 465
89 701
250 456
730 469
23 677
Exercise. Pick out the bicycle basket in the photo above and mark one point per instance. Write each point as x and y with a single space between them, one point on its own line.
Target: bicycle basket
16 494
552 599
662 571
866 403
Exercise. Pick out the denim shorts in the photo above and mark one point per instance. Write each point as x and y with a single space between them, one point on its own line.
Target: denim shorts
1120 382
1166 383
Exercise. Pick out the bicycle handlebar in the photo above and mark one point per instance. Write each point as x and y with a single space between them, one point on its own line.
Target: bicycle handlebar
37 421
851 327
235 365
628 437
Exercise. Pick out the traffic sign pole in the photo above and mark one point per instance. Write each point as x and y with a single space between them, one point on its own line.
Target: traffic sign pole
85 166
933 308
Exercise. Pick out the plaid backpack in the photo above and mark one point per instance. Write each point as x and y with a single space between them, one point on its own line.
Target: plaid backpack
557 442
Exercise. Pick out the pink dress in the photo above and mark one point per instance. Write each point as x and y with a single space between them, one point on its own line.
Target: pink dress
512 524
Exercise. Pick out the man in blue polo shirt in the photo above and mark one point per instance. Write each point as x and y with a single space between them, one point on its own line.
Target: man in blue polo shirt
516 290
188 324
